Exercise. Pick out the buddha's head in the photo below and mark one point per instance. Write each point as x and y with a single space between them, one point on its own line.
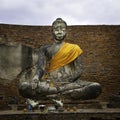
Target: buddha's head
59 27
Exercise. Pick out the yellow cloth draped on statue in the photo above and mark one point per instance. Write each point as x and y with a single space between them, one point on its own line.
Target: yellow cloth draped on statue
67 53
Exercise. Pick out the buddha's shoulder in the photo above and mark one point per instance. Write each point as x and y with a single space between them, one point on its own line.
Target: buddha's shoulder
45 47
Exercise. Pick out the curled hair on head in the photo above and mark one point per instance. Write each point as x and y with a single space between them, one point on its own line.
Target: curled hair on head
59 20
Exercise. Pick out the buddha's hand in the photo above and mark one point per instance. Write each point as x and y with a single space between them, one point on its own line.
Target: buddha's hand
35 82
35 79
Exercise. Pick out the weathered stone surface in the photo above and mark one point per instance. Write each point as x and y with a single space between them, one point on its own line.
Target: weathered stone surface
10 61
16 60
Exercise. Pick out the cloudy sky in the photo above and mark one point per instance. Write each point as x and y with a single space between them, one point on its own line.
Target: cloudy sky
74 12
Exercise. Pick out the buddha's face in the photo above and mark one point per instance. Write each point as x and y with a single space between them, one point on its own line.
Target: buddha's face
59 31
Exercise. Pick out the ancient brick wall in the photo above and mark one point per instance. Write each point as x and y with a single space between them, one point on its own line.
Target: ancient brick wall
101 56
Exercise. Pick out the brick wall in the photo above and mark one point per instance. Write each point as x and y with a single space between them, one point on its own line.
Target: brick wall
101 46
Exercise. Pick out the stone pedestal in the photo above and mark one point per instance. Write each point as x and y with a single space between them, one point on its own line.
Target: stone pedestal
80 114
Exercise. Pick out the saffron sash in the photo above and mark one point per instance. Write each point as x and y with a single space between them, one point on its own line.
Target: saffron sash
67 53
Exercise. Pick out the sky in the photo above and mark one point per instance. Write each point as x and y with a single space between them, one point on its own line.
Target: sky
74 12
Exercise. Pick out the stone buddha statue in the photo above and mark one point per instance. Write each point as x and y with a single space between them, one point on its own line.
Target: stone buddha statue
58 71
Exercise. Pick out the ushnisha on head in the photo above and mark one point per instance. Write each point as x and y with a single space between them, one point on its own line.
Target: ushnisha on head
59 28
57 21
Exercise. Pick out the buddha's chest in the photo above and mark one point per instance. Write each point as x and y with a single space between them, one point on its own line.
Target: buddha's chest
52 50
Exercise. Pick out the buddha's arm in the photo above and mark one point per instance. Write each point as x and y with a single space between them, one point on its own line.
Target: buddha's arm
41 63
76 71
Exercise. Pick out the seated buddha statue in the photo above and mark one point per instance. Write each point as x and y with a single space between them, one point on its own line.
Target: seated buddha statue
59 70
